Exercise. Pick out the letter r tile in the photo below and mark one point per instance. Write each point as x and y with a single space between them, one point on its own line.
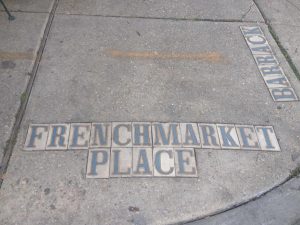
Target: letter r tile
58 136
209 136
36 137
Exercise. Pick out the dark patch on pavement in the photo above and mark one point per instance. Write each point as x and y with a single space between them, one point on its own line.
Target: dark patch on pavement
133 209
8 64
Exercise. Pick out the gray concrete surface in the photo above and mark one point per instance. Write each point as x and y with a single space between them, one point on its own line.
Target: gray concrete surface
189 9
284 17
100 68
279 207
29 5
280 11
81 79
19 42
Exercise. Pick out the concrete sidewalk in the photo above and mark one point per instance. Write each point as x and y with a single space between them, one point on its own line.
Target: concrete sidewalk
166 64
280 206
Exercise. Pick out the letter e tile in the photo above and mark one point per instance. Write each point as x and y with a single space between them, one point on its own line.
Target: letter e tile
185 162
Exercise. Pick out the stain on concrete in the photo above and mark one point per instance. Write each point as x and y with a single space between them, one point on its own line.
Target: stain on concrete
16 55
133 209
297 222
295 156
213 57
8 64
47 191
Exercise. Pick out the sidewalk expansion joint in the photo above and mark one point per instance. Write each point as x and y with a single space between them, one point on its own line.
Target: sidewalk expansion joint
25 11
163 18
278 42
25 96
248 11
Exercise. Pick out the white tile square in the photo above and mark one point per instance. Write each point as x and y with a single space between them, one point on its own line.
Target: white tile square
247 137
190 135
142 163
163 162
267 138
209 136
141 134
121 162
98 163
121 134
251 30
166 134
79 135
228 136
36 138
267 59
283 94
58 136
100 135
185 162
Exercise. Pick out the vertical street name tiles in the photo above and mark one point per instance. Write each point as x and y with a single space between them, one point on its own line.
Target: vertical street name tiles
145 149
272 73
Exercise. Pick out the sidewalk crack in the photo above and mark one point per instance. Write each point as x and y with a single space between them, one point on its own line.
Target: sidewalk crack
247 12
291 3
8 149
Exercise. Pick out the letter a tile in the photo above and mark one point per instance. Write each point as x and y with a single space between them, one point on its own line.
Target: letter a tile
142 163
190 135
